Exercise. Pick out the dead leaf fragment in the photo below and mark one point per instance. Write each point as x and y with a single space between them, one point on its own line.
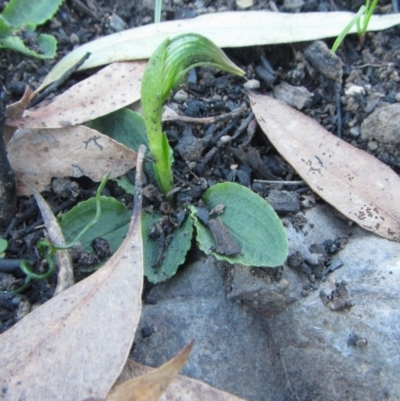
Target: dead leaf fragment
357 184
112 88
38 155
151 385
182 388
14 112
74 346
65 276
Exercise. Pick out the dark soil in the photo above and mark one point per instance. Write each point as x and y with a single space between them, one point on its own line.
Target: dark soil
227 150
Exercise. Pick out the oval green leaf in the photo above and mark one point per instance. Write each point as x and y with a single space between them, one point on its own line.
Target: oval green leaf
112 226
174 254
252 222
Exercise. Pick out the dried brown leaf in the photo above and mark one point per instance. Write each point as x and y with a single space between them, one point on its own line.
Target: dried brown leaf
65 276
151 385
112 88
74 346
38 155
354 182
182 388
225 29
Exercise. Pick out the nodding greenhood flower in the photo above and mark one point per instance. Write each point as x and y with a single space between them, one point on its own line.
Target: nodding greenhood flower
166 69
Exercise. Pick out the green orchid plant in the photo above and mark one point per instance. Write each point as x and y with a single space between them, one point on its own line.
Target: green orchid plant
242 227
166 69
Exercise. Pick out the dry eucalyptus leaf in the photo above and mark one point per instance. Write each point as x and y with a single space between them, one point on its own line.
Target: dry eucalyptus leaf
151 385
227 29
38 155
112 88
182 388
357 184
65 276
74 346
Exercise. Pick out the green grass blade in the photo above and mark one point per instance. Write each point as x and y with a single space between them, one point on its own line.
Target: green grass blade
346 30
157 11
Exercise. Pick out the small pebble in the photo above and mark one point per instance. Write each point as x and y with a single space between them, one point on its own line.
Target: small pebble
225 139
117 24
181 96
23 309
355 131
372 145
252 84
233 167
74 39
244 3
354 90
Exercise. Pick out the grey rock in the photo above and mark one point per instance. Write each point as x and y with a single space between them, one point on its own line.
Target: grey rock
284 201
266 296
293 5
233 349
310 348
294 96
381 130
117 24
191 148
324 61
383 125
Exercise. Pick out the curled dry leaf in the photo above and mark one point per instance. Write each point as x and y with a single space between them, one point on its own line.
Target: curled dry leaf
38 155
152 384
14 112
74 346
357 184
65 276
112 88
182 388
227 29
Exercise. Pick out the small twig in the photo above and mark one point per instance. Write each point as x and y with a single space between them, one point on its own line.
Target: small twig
8 198
220 134
373 65
251 130
37 99
338 109
171 115
280 182
10 265
85 10
243 126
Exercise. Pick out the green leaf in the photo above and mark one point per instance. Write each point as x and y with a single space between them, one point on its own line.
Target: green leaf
46 43
3 244
126 184
4 29
3 247
112 226
252 222
174 254
36 12
126 127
